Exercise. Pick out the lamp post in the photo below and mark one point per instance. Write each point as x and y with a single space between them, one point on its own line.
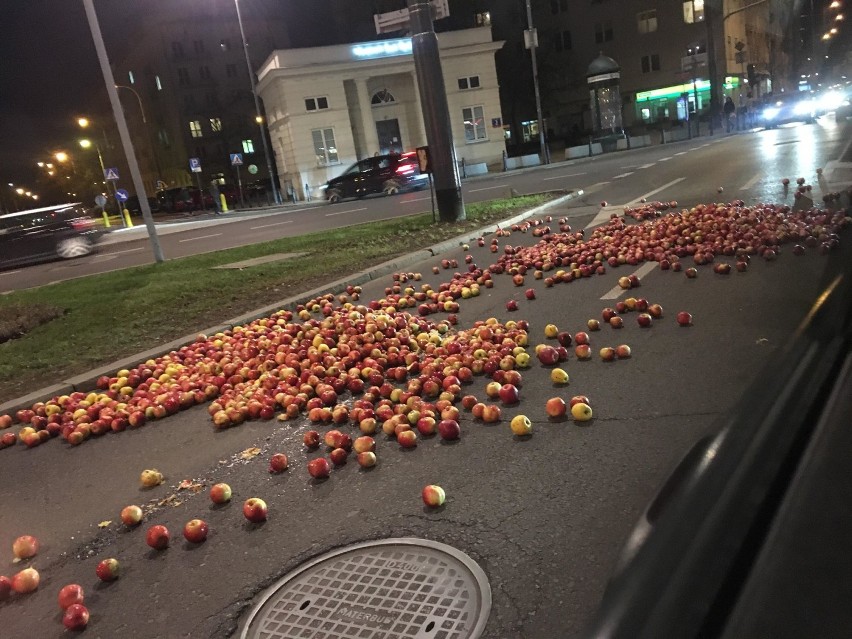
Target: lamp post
258 115
531 35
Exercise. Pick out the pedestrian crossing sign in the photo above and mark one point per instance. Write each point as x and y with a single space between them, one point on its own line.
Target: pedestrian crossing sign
236 159
111 174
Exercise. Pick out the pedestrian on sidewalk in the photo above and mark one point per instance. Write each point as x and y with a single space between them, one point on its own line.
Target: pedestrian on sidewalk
217 199
729 109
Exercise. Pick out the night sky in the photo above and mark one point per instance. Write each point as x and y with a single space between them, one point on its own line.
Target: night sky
49 74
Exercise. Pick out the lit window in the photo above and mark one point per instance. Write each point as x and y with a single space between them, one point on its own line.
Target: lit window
471 82
195 129
158 83
131 77
647 21
215 124
324 147
474 124
315 104
693 11
248 146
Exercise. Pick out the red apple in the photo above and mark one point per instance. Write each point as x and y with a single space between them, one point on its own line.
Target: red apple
319 468
312 439
579 399
407 439
366 443
433 496
367 459
220 493
616 321
655 311
530 293
195 531
622 351
157 537
582 338
24 547
555 407
607 353
684 318
509 394
76 617
644 320
70 594
583 351
278 463
25 581
255 509
107 569
449 429
5 587
338 456
547 355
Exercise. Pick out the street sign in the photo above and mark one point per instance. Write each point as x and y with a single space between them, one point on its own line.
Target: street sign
236 159
111 174
423 159
195 165
121 195
161 185
252 168
100 200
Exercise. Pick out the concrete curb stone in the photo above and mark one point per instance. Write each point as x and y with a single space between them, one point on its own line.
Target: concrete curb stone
86 381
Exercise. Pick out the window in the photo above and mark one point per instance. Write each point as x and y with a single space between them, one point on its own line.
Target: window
650 63
163 137
474 124
471 82
195 129
316 104
204 72
131 77
231 70
562 41
603 31
225 44
483 19
647 21
215 124
693 11
324 147
183 76
248 146
557 6
158 83
382 97
198 45
177 49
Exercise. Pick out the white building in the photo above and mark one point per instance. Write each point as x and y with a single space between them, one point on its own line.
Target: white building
328 107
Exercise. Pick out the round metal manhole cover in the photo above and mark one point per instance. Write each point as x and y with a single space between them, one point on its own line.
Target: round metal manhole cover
388 589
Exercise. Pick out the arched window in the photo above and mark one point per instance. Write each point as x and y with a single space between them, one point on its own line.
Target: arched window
382 97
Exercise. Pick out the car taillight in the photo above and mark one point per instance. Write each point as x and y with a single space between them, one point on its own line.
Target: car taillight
82 224
405 169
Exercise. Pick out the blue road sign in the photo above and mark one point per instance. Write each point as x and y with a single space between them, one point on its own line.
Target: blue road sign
111 174
195 165
121 195
236 159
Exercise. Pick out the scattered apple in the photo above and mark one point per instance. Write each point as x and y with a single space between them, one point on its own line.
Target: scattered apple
559 376
151 477
107 569
5 587
25 546
157 537
433 496
555 407
581 412
26 581
338 456
319 468
278 463
70 594
131 515
449 429
607 353
684 318
195 531
622 351
75 617
521 425
367 459
255 509
220 493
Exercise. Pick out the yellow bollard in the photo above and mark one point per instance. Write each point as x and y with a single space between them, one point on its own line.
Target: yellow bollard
224 202
127 221
106 219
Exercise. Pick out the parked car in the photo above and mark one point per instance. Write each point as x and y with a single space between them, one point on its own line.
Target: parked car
132 205
794 107
65 231
388 174
183 199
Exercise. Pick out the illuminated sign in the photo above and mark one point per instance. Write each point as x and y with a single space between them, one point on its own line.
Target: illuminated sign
383 49
677 90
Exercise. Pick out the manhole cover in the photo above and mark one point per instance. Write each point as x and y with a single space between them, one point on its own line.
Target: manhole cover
387 589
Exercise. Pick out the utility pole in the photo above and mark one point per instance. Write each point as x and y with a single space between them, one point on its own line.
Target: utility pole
436 113
531 38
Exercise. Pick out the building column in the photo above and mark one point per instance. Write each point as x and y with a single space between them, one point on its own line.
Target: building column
371 136
421 126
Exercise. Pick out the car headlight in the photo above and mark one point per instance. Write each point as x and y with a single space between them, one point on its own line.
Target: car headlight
771 112
803 108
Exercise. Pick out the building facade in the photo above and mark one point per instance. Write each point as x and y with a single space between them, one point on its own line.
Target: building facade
328 107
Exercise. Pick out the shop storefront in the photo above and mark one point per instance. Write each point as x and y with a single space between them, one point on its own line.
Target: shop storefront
328 107
674 103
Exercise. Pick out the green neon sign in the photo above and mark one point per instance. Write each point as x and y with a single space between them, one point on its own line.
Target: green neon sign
677 90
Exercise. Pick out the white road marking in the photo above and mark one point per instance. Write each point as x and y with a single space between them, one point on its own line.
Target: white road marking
682 153
419 199
263 226
654 192
647 166
622 175
10 272
617 291
105 257
560 177
695 148
124 251
345 212
604 215
750 183
597 184
488 188
664 159
200 237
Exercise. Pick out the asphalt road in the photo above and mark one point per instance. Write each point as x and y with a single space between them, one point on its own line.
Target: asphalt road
545 517
747 166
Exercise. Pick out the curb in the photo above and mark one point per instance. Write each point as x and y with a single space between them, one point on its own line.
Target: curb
85 382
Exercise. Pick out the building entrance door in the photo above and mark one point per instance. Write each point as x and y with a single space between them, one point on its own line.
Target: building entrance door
389 139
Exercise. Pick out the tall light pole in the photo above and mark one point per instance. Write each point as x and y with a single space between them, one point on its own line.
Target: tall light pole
123 132
147 129
258 116
531 35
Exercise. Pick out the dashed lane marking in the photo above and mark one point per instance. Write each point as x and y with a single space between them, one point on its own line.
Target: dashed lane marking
263 226
655 191
616 291
561 177
200 237
750 183
345 212
489 188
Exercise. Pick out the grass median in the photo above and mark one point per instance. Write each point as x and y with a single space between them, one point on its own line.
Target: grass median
102 318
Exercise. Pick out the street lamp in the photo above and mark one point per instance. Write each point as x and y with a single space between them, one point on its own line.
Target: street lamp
258 116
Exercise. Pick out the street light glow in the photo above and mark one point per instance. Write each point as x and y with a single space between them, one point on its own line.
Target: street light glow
834 5
83 122
40 164
85 143
19 191
61 156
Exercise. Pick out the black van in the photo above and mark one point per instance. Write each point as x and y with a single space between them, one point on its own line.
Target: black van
388 174
65 231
